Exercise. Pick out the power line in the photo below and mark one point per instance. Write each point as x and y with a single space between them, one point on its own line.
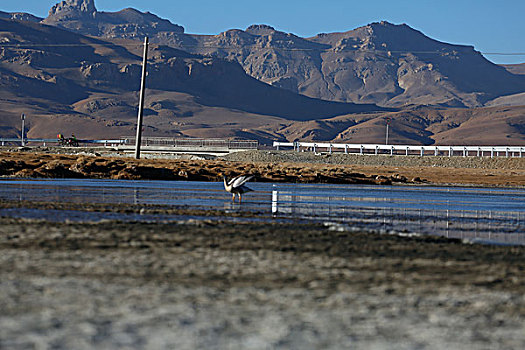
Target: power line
65 45
440 52
505 53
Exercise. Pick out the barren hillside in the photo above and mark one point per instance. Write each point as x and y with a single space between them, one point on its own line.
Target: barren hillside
215 85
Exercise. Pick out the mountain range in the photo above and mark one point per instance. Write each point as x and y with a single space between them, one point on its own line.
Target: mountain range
80 66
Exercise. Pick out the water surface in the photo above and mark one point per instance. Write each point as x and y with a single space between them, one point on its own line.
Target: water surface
481 214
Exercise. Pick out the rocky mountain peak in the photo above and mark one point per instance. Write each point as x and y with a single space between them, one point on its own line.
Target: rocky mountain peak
395 37
386 30
260 29
386 24
74 8
81 16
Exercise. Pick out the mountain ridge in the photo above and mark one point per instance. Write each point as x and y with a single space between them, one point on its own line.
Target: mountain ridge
380 63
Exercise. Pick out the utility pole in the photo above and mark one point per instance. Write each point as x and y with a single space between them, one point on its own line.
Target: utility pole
388 119
23 128
141 99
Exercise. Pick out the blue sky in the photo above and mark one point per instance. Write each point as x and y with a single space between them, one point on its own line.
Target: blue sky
490 26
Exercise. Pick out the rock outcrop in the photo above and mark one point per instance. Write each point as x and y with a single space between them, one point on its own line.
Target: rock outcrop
81 16
73 9
20 16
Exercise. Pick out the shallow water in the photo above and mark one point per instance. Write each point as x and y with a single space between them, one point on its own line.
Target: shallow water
479 214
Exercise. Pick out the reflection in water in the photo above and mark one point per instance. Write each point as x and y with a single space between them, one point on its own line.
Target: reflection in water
505 226
232 206
479 224
474 213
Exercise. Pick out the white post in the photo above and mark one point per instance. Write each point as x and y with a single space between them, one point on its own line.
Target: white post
275 202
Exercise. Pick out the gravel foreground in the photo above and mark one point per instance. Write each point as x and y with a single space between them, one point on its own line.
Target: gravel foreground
219 285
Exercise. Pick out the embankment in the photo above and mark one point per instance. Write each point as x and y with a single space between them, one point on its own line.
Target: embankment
266 166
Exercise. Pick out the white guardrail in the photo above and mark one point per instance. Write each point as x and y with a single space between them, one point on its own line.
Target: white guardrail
355 148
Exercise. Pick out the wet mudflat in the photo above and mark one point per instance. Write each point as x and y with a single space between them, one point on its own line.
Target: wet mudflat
212 284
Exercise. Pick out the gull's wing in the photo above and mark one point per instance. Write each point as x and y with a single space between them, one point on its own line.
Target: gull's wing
240 180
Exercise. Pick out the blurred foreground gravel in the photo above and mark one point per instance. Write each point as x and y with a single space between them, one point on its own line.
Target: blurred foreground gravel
218 285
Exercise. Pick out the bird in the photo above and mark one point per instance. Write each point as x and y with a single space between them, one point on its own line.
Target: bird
236 185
